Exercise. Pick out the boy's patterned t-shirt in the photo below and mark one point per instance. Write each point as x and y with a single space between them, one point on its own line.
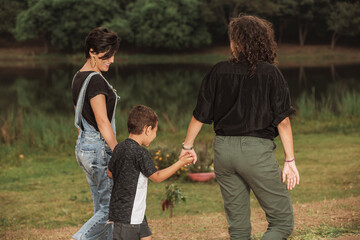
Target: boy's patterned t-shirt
130 165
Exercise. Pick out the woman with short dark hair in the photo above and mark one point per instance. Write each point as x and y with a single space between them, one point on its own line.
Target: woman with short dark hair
95 102
248 101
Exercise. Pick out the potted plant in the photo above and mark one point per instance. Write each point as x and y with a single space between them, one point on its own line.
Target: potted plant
203 169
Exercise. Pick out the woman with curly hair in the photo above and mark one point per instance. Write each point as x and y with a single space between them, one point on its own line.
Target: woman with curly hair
248 101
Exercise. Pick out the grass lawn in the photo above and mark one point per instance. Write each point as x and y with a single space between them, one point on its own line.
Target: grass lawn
49 192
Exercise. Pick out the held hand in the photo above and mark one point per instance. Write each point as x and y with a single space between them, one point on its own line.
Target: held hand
193 154
186 159
290 174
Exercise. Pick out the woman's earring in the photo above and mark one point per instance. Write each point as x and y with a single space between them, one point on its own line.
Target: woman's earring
94 63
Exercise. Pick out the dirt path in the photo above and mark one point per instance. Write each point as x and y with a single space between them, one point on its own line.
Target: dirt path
214 226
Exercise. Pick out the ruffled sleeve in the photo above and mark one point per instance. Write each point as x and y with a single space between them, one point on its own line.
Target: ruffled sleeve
280 98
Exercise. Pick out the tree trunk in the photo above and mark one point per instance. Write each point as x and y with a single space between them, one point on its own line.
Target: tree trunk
221 14
303 29
334 38
282 25
171 211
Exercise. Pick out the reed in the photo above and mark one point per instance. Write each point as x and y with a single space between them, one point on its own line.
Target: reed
344 105
30 132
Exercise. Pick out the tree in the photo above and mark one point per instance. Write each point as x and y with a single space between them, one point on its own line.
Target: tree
122 27
8 12
344 19
306 12
224 10
284 13
63 23
167 24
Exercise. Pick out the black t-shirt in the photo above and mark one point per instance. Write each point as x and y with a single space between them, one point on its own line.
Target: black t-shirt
243 106
97 85
130 165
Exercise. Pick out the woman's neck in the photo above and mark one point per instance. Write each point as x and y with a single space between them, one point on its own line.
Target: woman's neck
87 67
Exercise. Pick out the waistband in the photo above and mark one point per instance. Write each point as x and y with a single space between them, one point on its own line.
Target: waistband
91 134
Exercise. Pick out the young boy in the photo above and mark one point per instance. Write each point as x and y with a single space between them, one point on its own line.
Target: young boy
130 167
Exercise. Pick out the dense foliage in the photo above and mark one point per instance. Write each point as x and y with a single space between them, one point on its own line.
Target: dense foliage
178 24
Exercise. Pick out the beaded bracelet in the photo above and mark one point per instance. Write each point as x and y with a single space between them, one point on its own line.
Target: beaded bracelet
290 160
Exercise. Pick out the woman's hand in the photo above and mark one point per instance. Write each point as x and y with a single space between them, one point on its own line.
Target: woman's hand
290 174
191 152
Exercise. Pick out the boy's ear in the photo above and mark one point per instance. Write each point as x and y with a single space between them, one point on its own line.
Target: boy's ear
147 130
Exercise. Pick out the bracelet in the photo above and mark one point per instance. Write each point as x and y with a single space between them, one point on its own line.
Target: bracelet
291 160
185 148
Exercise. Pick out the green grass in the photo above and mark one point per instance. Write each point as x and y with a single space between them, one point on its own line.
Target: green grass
325 232
322 232
50 190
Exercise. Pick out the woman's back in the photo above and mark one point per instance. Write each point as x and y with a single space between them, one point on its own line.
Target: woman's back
240 105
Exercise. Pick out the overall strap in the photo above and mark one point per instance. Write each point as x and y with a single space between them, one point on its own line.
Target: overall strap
80 100
117 98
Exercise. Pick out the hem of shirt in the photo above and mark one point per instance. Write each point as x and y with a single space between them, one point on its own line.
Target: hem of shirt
151 173
98 93
282 116
197 117
250 134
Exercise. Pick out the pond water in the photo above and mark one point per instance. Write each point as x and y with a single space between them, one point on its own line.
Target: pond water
168 88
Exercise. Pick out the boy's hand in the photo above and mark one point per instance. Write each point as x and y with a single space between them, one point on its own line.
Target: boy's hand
186 159
193 154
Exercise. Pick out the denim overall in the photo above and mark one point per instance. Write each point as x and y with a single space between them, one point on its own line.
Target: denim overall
93 155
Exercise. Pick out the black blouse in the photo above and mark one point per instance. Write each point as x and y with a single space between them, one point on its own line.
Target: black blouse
243 106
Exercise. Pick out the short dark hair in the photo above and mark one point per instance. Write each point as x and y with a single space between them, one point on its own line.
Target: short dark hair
141 116
102 40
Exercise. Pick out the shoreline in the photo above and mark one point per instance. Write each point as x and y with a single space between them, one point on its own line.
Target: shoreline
289 55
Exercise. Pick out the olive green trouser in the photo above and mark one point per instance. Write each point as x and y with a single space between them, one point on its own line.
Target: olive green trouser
242 163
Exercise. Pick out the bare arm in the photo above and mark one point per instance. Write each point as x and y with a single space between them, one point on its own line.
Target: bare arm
98 106
290 172
109 173
164 174
193 130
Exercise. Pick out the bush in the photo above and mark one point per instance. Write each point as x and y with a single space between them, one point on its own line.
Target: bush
164 158
63 23
168 24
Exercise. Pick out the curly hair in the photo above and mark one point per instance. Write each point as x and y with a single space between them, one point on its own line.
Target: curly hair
252 40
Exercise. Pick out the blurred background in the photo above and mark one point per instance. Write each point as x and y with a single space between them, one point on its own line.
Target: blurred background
166 49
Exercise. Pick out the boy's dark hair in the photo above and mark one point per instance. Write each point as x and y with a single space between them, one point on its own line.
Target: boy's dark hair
141 116
102 40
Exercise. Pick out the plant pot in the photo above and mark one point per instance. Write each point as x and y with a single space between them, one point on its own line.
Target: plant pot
201 177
